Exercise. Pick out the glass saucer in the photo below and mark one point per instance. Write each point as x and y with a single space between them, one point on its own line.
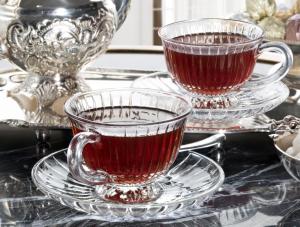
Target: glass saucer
191 180
245 103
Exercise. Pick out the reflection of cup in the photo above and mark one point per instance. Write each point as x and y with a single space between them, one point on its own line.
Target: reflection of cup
125 139
215 56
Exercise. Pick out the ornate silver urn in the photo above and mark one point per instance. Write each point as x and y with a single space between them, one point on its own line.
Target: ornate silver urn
52 40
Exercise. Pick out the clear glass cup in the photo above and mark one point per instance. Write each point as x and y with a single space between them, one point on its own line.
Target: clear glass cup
124 139
213 57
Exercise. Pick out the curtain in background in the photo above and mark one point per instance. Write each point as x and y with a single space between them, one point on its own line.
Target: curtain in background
174 10
146 16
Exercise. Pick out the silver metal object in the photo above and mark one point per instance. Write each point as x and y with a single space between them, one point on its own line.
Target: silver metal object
288 124
2 82
55 39
211 141
25 109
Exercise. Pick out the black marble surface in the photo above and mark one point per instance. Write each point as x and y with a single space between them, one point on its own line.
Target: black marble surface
257 190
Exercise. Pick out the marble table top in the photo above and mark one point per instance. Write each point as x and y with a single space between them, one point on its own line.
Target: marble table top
257 190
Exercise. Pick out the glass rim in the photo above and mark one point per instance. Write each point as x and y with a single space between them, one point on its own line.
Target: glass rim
72 115
172 40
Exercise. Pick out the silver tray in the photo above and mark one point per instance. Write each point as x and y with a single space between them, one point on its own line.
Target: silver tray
18 112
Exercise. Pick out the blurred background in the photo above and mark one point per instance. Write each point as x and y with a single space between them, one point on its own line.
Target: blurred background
146 16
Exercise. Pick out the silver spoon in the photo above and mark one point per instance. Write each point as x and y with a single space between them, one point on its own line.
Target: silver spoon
287 124
212 141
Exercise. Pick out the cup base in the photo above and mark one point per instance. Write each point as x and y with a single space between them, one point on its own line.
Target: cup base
223 100
244 102
185 186
129 194
214 102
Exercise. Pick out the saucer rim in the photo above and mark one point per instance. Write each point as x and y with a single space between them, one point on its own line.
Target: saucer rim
244 87
54 195
284 94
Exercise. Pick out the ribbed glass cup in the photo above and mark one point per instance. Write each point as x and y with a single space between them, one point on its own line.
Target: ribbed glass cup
124 139
214 57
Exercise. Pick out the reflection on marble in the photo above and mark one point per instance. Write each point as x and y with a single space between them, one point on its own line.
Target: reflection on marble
257 189
241 199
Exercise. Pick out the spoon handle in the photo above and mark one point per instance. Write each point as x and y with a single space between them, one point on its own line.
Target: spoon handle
288 124
214 140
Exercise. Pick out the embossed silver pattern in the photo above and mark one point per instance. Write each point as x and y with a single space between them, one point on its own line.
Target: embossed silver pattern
61 45
53 40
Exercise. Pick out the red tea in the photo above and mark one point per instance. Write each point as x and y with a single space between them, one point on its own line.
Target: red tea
132 158
211 74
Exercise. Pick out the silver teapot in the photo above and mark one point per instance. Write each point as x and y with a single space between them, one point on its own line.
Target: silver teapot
58 37
52 40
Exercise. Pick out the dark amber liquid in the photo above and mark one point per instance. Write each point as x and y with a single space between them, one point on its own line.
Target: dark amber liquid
211 74
132 159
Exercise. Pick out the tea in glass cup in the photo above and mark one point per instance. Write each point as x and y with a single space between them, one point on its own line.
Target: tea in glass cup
213 57
124 139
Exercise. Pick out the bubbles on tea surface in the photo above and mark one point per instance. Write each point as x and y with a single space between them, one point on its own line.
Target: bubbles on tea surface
211 38
127 115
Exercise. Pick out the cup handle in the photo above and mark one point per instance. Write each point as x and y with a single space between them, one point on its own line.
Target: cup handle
75 160
280 73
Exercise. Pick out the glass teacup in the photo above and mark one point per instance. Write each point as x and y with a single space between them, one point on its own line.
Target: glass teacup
213 57
124 139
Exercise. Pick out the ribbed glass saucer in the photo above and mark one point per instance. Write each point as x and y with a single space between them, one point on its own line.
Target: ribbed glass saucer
244 103
191 180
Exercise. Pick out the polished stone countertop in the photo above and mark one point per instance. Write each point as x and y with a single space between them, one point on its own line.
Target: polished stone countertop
257 190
